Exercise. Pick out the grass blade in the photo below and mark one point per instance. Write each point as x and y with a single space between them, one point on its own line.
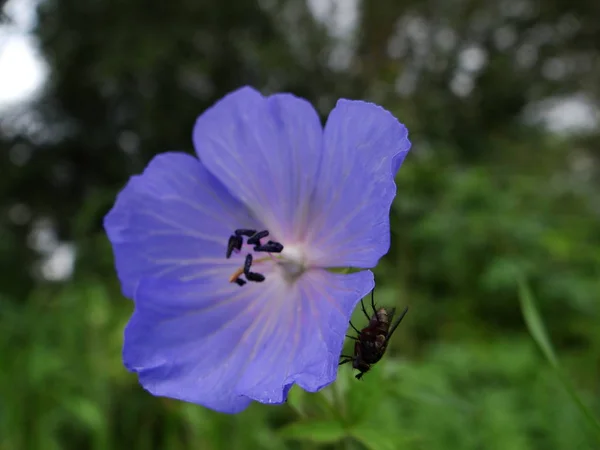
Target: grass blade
535 324
538 332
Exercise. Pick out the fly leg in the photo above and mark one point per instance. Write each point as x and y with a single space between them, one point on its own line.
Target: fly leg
362 305
346 359
373 302
355 329
373 307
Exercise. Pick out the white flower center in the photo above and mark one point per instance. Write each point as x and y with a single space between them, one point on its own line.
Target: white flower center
292 262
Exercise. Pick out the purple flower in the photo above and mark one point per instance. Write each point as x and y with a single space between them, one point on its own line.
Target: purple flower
205 330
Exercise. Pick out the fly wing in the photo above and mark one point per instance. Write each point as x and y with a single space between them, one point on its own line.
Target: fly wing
395 325
390 315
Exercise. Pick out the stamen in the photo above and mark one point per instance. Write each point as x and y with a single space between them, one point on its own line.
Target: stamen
271 247
245 232
236 275
235 243
253 276
254 240
247 264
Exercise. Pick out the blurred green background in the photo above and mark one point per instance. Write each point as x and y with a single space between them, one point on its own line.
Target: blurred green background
500 98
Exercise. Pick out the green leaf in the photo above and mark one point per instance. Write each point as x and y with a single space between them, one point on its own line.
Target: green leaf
295 400
87 412
319 431
540 336
375 439
344 270
534 323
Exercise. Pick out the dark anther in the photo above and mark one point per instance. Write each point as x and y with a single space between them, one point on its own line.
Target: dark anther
254 240
253 276
271 247
247 264
235 242
239 282
245 232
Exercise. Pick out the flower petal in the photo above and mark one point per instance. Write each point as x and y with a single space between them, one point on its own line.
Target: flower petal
173 220
221 349
180 336
364 146
301 338
266 151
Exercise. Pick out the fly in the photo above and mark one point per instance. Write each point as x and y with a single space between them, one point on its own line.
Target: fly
371 342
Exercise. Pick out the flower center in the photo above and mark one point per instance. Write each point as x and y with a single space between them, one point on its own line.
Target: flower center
292 262
235 243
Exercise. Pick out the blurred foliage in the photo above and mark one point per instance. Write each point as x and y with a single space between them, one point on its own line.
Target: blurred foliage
486 195
62 386
539 334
